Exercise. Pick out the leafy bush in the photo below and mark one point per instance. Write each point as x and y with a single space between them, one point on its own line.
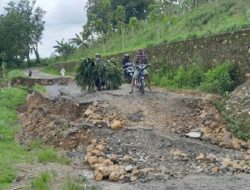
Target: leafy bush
180 78
190 77
113 75
223 78
89 71
237 74
195 75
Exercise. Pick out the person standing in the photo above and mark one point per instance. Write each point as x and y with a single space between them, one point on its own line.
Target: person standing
62 72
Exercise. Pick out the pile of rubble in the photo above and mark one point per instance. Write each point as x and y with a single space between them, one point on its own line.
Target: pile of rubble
107 166
213 129
212 163
102 115
195 113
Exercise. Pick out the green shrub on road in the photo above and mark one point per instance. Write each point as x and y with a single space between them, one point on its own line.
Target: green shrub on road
88 71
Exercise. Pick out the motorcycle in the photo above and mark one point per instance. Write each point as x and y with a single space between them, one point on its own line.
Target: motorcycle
140 81
128 71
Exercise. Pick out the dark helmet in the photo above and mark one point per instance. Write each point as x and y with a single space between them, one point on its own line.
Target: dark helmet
140 51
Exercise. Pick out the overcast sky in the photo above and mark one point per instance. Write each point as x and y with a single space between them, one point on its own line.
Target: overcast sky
64 18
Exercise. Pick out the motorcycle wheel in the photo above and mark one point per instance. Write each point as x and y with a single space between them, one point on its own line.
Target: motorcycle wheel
142 87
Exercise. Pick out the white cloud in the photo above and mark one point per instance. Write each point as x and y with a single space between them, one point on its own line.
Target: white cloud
64 18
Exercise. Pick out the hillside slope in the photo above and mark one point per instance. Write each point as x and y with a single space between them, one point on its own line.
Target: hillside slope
207 20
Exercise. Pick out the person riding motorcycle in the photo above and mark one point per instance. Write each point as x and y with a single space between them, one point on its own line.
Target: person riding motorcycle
141 59
128 67
126 60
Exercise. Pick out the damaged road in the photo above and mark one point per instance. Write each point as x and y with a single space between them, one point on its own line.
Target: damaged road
139 140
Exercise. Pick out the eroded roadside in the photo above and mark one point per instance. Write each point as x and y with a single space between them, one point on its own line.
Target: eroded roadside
138 140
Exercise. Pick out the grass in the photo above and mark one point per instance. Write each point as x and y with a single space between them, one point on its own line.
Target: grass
50 70
15 74
217 17
41 182
10 152
221 79
39 88
50 155
76 185
44 181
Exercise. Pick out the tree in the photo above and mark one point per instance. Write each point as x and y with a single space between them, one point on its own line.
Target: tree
119 15
99 15
138 8
20 31
79 41
38 28
133 23
105 15
64 48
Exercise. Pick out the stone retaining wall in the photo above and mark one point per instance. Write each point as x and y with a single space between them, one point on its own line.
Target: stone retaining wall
209 51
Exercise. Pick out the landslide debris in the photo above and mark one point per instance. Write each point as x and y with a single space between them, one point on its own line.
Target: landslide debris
100 133
63 122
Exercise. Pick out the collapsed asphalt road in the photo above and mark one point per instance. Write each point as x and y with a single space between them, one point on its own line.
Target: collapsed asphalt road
141 136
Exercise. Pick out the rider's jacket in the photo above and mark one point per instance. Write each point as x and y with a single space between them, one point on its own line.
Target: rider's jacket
141 60
126 63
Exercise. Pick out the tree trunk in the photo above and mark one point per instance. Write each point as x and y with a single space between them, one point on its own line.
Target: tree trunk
28 59
37 54
194 3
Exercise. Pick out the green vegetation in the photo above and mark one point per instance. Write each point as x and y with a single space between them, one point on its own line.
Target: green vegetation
41 182
15 74
45 182
221 79
10 152
208 19
89 72
50 155
39 88
50 70
21 28
76 185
